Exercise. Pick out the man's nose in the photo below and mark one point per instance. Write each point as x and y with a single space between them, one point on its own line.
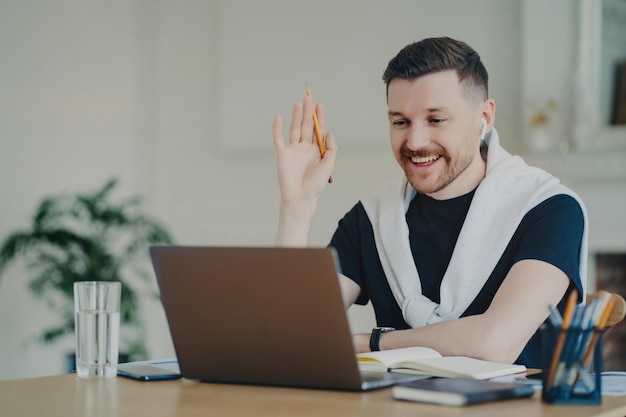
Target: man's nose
417 137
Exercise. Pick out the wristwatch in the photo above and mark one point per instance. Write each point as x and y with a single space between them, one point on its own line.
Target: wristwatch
375 337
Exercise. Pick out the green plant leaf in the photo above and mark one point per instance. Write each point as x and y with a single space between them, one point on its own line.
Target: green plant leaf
86 237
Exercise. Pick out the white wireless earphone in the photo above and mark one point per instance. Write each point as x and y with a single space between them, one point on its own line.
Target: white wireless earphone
482 133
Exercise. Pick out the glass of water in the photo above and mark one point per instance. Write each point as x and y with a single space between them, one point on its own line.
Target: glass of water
97 327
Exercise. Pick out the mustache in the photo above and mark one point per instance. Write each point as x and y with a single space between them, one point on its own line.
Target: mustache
423 152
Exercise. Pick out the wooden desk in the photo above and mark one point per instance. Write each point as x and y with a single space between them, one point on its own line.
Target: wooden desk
67 395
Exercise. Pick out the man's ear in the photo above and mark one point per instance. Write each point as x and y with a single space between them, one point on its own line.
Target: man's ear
484 129
488 114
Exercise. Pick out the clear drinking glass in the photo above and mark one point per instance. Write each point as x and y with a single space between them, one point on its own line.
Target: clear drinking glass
97 327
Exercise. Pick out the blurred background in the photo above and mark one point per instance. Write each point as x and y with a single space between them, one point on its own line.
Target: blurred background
175 99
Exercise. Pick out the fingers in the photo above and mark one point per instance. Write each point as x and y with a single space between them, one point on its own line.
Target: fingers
321 117
301 128
295 129
329 141
277 130
331 149
307 119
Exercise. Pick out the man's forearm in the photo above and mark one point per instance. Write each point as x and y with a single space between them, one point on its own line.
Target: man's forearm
294 223
501 332
474 336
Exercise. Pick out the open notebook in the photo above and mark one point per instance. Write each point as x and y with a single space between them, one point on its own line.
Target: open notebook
271 316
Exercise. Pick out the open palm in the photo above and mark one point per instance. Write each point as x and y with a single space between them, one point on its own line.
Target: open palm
302 172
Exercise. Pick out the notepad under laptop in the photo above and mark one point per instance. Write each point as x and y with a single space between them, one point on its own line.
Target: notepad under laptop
269 316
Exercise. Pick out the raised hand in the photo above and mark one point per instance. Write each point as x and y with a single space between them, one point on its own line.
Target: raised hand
302 172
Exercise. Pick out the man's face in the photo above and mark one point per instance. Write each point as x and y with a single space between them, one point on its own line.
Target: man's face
435 134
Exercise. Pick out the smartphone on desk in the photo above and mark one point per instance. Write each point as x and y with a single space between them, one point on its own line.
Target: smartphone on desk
149 371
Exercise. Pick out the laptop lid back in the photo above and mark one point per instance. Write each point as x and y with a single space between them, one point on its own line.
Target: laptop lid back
271 316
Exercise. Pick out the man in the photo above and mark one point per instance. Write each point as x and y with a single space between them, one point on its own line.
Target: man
467 251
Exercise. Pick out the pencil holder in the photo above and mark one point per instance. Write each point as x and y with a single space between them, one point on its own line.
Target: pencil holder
572 365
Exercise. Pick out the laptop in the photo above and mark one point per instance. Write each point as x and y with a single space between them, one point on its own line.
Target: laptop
262 316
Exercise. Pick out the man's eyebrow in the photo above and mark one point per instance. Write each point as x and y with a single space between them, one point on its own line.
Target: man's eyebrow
429 110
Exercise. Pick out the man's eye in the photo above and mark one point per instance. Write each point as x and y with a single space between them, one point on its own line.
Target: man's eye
437 121
400 123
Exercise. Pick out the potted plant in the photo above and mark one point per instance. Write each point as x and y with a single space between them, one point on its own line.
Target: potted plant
87 237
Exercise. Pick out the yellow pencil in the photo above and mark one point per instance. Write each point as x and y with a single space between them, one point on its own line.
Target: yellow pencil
594 340
318 133
596 335
316 127
567 319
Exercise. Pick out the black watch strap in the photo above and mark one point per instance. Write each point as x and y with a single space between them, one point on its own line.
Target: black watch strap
375 337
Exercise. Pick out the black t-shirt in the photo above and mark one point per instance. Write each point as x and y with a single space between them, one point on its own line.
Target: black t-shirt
551 232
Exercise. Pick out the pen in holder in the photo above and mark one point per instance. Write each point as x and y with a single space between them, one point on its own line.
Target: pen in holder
572 365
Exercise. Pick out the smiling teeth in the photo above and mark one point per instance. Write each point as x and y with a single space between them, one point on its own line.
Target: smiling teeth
424 159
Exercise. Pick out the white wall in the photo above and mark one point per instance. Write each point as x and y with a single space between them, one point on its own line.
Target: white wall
69 112
89 90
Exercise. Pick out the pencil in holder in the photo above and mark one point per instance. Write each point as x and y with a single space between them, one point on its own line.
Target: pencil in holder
572 365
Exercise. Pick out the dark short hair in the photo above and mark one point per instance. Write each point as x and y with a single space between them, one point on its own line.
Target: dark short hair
439 54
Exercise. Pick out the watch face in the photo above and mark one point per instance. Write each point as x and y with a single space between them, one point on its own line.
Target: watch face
385 329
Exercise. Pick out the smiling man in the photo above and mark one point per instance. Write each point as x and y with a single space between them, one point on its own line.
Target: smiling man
464 252
434 122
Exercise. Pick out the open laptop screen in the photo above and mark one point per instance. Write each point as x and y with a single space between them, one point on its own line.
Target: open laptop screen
257 315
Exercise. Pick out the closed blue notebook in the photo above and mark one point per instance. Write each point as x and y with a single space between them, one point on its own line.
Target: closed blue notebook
460 391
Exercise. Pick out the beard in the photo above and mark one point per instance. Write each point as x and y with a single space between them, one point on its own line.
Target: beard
449 168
